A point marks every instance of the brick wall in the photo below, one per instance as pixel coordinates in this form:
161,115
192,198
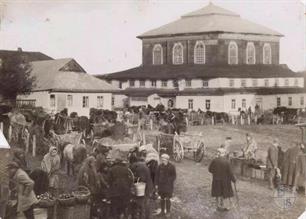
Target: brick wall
216,52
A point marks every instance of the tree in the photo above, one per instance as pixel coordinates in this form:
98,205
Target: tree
15,77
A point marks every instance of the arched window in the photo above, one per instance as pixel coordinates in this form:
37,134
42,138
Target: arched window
157,54
199,53
232,53
267,54
177,54
250,53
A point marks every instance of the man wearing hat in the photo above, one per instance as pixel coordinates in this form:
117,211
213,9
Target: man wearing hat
222,177
164,181
26,198
272,161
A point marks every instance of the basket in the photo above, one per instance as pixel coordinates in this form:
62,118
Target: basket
45,203
81,195
66,202
140,188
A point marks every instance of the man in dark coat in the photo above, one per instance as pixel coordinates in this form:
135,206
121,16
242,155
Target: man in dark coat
222,177
120,182
165,177
272,161
142,174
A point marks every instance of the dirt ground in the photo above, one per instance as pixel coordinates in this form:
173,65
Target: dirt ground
192,198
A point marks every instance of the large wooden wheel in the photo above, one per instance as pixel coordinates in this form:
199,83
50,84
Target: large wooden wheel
178,151
199,153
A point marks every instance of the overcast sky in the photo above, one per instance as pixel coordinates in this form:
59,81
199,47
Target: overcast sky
101,34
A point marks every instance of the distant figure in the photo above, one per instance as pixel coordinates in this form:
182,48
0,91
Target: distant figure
26,198
222,177
19,156
227,145
250,149
164,182
272,162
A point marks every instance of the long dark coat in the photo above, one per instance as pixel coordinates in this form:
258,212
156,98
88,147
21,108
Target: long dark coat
165,177
142,172
290,165
222,177
120,180
272,157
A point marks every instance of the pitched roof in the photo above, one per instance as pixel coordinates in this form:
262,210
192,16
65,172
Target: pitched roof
211,18
49,76
191,71
27,55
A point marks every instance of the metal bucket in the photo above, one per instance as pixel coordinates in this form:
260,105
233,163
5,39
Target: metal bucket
140,188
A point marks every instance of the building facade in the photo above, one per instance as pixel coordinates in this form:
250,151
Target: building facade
210,59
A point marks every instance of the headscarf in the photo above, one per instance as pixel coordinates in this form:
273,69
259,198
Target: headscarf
49,160
221,151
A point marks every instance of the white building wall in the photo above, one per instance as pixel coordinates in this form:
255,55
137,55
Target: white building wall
119,100
216,102
250,100
270,101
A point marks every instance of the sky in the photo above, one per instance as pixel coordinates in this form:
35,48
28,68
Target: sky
101,34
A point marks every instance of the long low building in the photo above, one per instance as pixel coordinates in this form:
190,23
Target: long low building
210,59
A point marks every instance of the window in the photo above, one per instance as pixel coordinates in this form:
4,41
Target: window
243,83
243,104
164,84
177,54
276,82
302,101
267,54
254,83
207,104
205,83
233,104
113,101
231,82
286,82
199,53
52,100
233,53
85,101
278,101
69,100
250,53
153,83
132,83
289,101
142,83
190,104
120,84
188,83
296,82
266,82
99,101
157,55
175,83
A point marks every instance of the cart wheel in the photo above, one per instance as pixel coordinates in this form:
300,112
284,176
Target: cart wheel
199,153
178,151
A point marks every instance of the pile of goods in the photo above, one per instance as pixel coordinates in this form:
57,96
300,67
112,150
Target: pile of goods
66,199
45,200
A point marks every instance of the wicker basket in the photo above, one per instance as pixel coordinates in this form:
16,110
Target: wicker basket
66,202
81,195
46,203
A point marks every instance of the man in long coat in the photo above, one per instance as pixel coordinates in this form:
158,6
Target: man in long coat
222,177
272,161
290,164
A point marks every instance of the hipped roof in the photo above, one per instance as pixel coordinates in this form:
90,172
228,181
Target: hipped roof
191,71
50,77
211,18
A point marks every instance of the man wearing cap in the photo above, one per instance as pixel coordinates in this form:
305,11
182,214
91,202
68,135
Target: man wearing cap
164,181
222,177
25,194
272,160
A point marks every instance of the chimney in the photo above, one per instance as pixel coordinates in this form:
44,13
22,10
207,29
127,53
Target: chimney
19,49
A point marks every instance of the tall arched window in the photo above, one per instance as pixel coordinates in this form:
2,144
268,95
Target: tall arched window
232,53
157,54
177,54
199,53
250,53
267,54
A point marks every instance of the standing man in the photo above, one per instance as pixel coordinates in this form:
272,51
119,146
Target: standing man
26,198
165,177
222,177
250,148
272,161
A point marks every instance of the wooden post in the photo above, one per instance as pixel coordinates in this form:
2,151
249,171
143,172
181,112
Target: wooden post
1,127
27,142
233,120
10,133
34,146
249,120
151,124
212,120
241,120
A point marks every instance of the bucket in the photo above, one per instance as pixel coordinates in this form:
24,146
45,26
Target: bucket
140,188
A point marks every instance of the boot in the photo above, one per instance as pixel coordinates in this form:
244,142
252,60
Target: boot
162,207
168,205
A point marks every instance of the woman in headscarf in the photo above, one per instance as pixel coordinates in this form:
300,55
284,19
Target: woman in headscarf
51,164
